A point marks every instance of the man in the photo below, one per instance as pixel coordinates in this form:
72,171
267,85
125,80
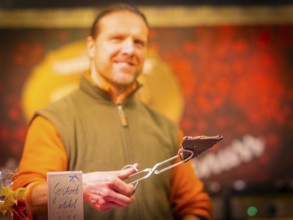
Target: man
102,126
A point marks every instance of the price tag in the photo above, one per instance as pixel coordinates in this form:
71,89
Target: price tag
65,196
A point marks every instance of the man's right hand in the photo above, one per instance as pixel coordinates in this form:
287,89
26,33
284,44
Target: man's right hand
107,190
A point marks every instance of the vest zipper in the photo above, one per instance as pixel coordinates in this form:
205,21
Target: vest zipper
127,149
122,115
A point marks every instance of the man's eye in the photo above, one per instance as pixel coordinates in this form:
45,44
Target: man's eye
117,39
139,42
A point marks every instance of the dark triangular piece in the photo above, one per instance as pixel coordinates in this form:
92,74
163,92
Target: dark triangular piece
198,144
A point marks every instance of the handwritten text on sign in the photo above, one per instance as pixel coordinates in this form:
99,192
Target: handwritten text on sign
65,198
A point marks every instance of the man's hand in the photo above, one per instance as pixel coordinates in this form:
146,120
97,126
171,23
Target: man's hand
106,190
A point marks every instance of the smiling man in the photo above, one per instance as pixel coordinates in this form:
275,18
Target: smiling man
117,52
102,127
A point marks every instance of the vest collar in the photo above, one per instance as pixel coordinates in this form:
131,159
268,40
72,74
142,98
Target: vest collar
96,92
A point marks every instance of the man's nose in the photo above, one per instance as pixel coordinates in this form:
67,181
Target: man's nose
128,46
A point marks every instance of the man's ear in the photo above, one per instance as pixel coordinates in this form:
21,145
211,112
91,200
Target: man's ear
91,49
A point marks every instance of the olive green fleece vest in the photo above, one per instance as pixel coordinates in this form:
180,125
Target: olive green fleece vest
96,139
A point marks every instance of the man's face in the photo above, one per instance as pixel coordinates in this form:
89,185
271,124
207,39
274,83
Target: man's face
119,50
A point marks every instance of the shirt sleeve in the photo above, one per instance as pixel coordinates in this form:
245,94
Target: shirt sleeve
187,195
43,152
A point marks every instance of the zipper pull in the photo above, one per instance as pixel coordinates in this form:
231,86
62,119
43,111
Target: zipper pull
122,115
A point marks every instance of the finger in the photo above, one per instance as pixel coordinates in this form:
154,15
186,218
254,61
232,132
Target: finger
134,166
102,205
121,187
108,199
127,171
106,206
119,199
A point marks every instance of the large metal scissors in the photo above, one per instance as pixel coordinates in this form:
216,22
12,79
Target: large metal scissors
190,147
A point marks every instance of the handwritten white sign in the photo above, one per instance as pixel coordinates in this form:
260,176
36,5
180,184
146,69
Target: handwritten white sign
65,197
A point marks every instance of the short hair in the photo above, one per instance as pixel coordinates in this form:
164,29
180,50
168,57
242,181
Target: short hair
111,9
